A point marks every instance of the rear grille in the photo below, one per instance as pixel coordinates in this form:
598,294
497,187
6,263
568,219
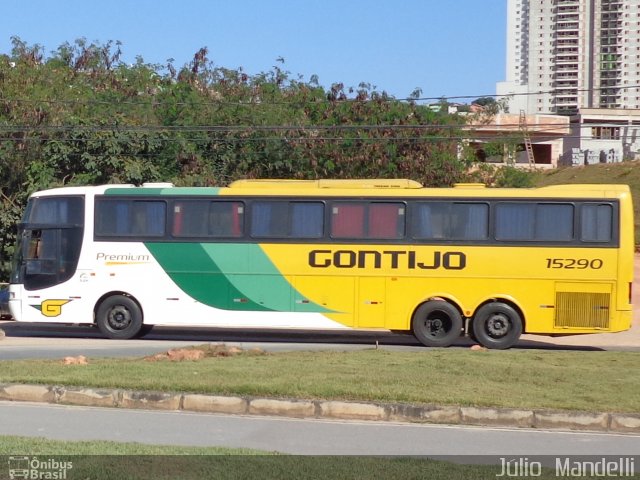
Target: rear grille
582,310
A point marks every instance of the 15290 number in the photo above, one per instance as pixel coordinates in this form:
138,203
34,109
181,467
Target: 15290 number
575,263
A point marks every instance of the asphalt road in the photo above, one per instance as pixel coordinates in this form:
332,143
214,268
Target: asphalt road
25,341
297,436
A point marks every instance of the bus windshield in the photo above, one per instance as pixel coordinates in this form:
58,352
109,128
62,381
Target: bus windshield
49,242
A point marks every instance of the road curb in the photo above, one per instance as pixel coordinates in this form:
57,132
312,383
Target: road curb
328,409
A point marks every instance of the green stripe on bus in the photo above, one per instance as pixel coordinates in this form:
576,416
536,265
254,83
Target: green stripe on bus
230,276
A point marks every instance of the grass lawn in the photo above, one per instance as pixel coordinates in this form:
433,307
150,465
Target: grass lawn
115,461
573,380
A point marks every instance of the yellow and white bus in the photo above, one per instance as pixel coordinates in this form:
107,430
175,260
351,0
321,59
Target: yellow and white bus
329,254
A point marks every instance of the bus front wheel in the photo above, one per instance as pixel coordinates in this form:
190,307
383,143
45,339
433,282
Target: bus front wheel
497,325
437,323
119,317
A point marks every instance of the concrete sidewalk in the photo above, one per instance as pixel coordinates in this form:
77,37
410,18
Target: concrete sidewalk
620,423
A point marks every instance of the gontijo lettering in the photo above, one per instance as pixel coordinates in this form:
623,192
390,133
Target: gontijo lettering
394,259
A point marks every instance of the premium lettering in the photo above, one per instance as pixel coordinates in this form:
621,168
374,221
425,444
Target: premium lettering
127,257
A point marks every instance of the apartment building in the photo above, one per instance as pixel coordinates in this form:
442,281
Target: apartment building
579,58
566,55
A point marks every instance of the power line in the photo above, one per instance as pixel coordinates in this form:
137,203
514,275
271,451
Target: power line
261,128
256,101
198,140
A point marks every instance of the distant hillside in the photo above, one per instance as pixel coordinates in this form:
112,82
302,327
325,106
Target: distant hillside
627,173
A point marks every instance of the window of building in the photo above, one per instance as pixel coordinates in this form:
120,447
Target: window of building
605,133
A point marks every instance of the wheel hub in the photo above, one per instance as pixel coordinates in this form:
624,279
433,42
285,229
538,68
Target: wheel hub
436,326
119,318
498,325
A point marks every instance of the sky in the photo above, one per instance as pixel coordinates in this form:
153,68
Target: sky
443,47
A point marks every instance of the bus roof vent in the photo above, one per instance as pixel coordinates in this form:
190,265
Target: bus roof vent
382,183
158,185
469,185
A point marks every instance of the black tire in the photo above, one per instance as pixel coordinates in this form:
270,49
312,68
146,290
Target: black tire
119,317
497,325
144,330
437,323
471,334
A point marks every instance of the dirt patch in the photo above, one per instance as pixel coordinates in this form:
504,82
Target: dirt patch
202,351
79,360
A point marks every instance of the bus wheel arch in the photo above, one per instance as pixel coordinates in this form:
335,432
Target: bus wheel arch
437,322
497,324
119,315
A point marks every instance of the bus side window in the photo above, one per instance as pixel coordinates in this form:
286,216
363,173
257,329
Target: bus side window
225,219
178,216
596,223
386,220
554,222
307,219
347,220
149,218
515,221
431,221
469,221
267,219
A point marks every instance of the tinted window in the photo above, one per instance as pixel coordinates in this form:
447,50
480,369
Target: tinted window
55,211
375,220
596,223
554,222
531,222
144,218
278,219
202,218
450,221
49,255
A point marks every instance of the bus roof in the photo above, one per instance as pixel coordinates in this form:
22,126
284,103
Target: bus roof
357,187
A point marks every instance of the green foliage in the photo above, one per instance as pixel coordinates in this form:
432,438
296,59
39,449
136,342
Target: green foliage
505,176
514,177
493,149
103,460
81,116
526,378
484,101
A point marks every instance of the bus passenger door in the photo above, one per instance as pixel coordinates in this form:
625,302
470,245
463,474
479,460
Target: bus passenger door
371,302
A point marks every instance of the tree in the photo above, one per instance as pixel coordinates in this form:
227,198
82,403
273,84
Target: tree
82,116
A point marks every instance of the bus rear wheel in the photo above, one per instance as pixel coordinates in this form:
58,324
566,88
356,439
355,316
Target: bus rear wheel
497,325
437,323
119,317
